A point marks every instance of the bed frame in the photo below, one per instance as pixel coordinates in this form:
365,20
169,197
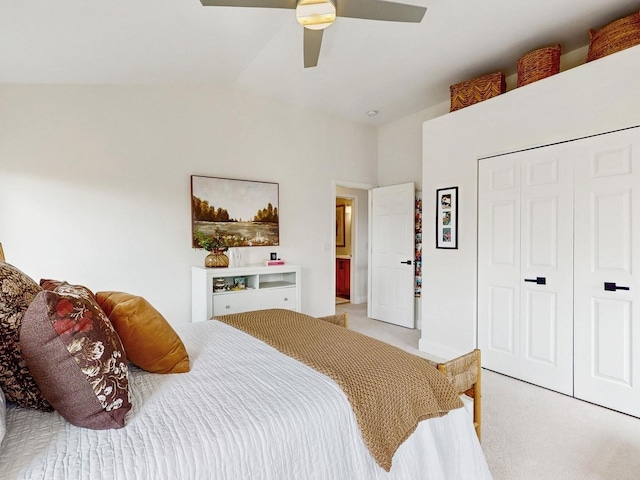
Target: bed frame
464,372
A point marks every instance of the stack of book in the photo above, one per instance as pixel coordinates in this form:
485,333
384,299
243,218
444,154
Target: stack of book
273,262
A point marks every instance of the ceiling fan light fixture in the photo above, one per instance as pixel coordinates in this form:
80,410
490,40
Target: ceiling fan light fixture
316,14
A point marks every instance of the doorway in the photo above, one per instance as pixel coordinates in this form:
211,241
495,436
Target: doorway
360,261
344,247
350,259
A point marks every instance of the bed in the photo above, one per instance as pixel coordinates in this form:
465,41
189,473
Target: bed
245,410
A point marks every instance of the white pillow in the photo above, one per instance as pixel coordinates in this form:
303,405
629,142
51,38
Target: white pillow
3,414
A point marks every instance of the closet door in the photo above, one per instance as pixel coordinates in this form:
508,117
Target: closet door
607,265
546,269
525,305
499,264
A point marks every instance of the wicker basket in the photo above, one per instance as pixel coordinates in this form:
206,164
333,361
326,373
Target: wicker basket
538,64
618,35
473,91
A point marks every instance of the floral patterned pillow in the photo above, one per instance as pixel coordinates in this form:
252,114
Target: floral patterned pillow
3,416
76,357
50,284
17,291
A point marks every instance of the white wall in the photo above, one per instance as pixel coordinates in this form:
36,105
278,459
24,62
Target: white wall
95,182
400,148
596,97
400,142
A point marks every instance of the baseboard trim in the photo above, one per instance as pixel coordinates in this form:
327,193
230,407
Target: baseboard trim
358,300
437,350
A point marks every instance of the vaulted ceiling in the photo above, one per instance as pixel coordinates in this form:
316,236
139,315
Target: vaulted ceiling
395,68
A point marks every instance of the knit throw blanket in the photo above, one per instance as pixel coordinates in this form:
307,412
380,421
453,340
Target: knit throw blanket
390,390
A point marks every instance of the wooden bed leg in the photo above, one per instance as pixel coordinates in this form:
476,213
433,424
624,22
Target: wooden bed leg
474,390
477,399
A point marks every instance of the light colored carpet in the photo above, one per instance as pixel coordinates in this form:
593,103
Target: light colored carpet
530,433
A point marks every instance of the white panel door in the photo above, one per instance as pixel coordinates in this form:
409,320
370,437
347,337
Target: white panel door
546,268
499,264
392,254
607,265
525,297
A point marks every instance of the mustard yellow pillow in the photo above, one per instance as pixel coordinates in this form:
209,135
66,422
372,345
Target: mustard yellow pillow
148,339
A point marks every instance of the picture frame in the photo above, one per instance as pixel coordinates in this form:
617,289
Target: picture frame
340,226
243,213
447,218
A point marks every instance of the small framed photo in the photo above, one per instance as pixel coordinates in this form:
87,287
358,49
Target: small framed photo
239,283
447,217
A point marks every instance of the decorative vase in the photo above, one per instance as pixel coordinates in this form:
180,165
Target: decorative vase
216,259
235,257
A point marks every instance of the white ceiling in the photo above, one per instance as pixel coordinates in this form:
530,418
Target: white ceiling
395,68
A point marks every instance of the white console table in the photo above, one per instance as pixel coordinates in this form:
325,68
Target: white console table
275,286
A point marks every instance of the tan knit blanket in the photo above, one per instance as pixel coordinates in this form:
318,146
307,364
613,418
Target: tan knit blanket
390,390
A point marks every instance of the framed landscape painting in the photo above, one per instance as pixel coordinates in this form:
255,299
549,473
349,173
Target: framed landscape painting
241,213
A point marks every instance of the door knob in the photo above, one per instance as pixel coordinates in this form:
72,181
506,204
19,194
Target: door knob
408,262
612,287
538,280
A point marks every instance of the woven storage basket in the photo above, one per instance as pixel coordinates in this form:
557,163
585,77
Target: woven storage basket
618,35
473,91
538,64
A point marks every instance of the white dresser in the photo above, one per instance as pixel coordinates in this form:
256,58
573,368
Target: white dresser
217,291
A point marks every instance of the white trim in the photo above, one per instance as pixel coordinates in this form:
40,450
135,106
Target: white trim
347,184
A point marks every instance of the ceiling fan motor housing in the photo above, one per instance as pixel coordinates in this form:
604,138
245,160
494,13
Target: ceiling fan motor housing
316,14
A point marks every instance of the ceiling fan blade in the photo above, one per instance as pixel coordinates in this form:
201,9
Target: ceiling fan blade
379,10
312,42
250,3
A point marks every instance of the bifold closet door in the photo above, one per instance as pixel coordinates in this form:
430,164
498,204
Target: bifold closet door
607,265
525,266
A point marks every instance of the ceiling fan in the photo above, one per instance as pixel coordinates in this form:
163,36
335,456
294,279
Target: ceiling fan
316,15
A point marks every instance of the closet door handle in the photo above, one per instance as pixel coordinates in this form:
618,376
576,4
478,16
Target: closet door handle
612,287
408,262
538,280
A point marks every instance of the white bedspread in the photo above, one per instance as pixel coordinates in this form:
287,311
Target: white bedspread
245,411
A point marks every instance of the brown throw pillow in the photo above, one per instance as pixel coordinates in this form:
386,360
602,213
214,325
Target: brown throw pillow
76,358
149,340
17,291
